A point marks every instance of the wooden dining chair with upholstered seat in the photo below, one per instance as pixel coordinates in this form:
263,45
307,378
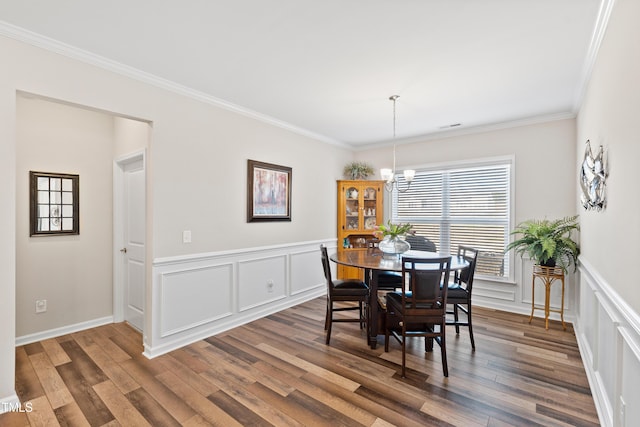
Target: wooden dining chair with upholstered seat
349,290
421,243
420,310
459,295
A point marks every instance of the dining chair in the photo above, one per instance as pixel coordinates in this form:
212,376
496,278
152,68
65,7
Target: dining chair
349,290
421,243
420,310
459,293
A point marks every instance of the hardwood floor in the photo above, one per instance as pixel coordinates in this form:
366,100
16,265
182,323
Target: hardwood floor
278,371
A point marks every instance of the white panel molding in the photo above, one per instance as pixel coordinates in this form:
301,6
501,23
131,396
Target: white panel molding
494,292
64,330
258,264
243,254
607,329
629,382
260,271
305,271
168,297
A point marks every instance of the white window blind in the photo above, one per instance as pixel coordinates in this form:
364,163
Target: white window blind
461,206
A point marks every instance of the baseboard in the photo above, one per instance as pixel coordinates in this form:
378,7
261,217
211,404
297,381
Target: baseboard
64,330
10,403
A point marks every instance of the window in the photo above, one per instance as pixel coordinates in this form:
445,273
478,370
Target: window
55,207
467,205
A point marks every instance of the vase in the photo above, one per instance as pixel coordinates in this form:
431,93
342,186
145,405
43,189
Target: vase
394,245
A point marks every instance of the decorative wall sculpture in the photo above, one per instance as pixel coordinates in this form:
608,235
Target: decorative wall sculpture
593,175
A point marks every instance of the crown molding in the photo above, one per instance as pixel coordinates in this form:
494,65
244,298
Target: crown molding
55,46
443,134
599,30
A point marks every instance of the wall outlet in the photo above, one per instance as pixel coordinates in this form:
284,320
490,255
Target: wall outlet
623,412
186,236
41,306
270,286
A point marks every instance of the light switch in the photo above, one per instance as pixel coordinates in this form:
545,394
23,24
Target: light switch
186,236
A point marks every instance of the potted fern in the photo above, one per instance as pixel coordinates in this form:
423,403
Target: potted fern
548,243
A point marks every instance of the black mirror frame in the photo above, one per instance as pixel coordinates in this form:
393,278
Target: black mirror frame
33,204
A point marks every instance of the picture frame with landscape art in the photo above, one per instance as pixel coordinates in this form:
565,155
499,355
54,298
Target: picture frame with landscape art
268,192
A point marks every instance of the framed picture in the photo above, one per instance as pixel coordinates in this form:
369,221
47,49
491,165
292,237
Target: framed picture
268,192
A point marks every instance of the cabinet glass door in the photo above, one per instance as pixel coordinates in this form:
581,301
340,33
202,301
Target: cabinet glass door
370,197
352,209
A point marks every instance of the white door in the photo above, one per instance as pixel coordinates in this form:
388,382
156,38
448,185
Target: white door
133,253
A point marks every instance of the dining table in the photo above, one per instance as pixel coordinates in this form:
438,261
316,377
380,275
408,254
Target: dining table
373,261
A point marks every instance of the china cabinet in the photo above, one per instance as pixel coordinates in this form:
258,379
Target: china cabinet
360,210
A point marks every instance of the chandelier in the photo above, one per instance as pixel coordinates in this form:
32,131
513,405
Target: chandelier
389,175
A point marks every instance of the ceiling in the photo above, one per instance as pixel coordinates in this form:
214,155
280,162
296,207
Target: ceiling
326,68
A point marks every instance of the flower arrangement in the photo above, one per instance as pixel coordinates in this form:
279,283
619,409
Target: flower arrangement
393,230
357,170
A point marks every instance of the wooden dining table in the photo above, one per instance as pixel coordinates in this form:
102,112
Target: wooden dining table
373,262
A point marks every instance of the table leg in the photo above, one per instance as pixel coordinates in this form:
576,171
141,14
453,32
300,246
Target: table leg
371,278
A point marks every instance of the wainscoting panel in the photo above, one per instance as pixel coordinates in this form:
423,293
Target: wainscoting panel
306,270
212,286
630,378
200,295
608,334
261,281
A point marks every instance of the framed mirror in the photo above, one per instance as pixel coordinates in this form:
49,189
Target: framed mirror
54,203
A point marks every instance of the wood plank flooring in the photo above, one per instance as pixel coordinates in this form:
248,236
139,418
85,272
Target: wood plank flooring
278,371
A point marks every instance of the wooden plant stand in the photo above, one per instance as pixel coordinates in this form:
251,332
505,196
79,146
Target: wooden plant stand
547,275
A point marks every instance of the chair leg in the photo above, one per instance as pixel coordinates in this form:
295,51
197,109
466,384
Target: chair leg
443,351
473,343
326,317
455,317
329,321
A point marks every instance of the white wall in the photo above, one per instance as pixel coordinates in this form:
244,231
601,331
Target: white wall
608,325
73,273
197,161
129,136
609,117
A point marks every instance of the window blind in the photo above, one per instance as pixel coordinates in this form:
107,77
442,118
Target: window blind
461,206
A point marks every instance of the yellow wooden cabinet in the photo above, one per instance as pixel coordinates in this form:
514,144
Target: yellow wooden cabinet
360,211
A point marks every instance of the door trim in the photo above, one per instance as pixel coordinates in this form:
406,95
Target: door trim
119,165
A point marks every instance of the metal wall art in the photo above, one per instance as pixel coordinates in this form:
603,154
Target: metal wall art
593,175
